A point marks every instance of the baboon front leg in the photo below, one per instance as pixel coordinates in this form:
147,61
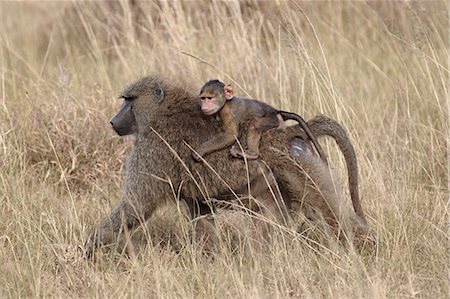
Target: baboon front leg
270,202
123,217
205,229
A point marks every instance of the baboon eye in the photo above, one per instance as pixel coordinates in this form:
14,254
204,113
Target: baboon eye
159,93
129,98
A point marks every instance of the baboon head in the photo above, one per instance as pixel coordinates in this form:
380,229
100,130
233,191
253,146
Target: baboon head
140,101
213,96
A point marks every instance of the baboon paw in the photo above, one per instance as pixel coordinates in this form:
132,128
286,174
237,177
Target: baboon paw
89,251
90,246
196,157
238,153
248,155
235,151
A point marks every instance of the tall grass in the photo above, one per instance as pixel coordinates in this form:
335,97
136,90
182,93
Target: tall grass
380,68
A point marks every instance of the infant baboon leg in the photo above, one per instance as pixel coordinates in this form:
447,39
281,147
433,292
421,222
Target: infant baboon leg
255,130
253,140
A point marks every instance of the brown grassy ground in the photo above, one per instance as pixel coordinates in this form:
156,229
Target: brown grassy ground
380,68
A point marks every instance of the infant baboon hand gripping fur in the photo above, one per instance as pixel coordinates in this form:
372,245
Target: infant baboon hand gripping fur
218,99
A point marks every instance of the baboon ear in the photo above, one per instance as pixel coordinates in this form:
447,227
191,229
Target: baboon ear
228,90
159,92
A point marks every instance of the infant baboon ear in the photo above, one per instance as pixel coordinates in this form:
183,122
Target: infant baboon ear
228,91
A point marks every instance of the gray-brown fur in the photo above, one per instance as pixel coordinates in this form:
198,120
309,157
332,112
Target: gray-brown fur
169,125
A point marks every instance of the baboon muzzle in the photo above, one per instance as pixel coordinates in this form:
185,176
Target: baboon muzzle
124,122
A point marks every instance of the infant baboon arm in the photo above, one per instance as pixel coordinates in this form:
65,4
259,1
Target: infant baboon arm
223,140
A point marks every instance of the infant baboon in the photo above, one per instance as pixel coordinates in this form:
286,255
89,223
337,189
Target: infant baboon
218,99
166,122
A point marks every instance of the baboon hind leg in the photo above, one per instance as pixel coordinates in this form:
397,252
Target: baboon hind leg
317,196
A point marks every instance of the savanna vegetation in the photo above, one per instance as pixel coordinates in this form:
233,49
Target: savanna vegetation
379,68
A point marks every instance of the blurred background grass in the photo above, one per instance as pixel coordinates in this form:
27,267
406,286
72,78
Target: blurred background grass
380,68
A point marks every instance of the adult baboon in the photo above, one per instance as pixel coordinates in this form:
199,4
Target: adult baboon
167,125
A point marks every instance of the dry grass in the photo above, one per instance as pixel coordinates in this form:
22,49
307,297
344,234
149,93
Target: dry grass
380,68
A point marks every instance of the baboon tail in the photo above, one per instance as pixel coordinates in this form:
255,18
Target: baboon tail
324,126
294,116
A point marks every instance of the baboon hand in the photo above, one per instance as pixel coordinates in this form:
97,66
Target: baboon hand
235,151
90,246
